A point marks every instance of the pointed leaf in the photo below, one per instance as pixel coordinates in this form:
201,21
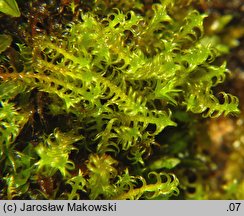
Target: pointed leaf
5,41
9,7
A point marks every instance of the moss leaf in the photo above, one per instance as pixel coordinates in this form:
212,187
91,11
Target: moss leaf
5,41
9,7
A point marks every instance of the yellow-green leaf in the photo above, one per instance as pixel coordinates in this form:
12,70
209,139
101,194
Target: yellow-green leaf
5,41
9,7
167,163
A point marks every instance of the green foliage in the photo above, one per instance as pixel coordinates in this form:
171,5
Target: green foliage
157,190
54,153
165,162
18,182
77,183
11,123
115,81
104,182
9,7
102,170
5,41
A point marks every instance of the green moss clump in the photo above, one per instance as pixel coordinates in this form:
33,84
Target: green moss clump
111,84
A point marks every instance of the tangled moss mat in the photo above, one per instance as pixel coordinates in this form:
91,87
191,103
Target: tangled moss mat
109,99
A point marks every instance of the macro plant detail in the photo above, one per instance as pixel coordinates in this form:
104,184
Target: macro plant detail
113,83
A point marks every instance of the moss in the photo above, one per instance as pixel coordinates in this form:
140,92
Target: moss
99,97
